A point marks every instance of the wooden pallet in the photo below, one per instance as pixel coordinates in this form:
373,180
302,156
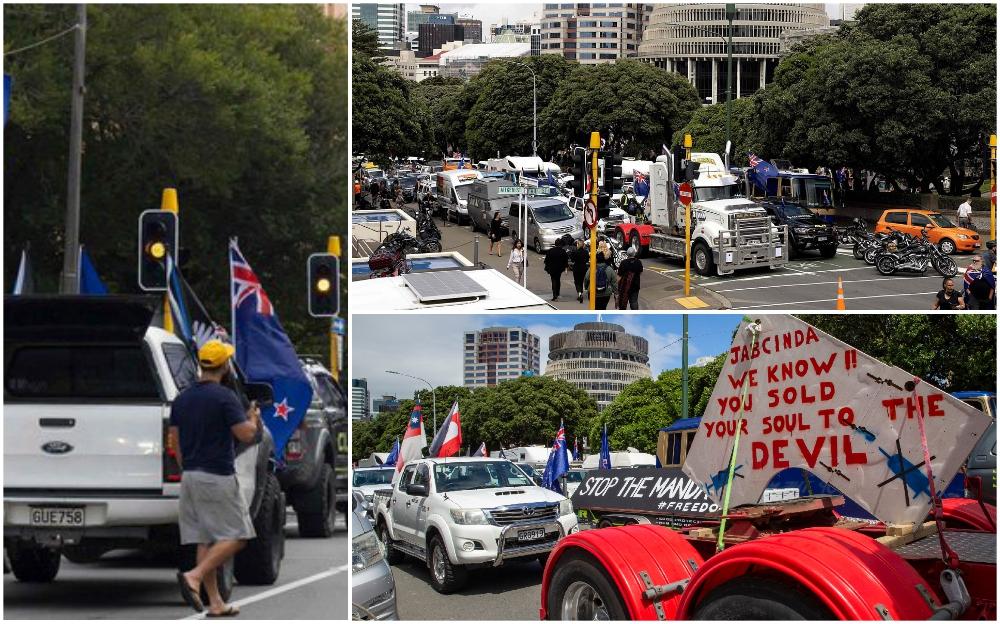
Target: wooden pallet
897,535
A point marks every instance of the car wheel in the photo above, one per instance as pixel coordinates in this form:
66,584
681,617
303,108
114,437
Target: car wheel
748,598
446,577
392,556
33,564
704,264
620,239
538,245
947,246
828,252
581,590
259,563
321,519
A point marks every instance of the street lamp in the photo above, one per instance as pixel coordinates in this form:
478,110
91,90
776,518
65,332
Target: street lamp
433,395
534,109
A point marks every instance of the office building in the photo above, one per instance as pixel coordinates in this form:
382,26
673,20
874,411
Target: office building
433,36
413,67
386,19
496,354
599,358
388,403
468,60
360,400
691,39
593,33
473,29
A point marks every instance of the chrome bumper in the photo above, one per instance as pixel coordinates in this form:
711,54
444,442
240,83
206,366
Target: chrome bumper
538,548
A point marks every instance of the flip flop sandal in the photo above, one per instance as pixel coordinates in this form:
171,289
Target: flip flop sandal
230,611
190,596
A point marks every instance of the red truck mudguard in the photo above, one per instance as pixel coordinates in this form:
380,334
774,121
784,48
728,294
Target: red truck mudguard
630,229
625,553
965,513
853,576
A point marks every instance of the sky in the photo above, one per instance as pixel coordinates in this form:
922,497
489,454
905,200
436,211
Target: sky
430,345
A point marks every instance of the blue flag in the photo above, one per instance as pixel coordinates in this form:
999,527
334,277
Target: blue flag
558,464
605,463
90,281
393,454
8,83
550,180
265,354
760,173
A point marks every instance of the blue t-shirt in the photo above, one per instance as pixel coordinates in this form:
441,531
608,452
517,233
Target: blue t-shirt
203,415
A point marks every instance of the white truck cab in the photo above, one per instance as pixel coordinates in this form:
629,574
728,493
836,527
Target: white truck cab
457,513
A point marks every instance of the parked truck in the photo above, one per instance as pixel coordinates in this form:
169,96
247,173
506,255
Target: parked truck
455,514
804,400
728,231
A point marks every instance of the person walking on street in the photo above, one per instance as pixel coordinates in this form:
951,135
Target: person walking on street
496,237
581,260
517,260
606,283
947,297
556,262
628,281
965,213
206,421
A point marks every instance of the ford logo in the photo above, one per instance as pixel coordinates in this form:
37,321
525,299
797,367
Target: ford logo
57,447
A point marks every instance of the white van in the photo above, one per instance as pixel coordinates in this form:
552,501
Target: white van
453,189
548,221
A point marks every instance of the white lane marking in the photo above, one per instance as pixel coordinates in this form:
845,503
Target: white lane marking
279,590
877,279
777,276
792,303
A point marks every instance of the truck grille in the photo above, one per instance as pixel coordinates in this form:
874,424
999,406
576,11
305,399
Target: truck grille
511,515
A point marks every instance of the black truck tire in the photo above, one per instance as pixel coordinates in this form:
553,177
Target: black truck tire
446,577
392,556
582,586
755,598
33,564
259,563
704,263
828,251
322,498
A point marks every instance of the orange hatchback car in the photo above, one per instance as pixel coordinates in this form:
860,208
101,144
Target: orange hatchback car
948,237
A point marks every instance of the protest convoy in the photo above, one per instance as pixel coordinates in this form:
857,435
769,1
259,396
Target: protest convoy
738,532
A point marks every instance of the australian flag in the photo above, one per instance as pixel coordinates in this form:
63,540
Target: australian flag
558,464
762,173
265,354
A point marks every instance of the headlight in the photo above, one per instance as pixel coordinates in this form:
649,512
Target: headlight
365,551
468,516
963,236
565,507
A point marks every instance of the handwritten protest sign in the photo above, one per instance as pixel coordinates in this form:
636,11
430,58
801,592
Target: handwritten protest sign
656,491
813,402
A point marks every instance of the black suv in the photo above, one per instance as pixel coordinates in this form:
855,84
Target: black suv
314,477
806,229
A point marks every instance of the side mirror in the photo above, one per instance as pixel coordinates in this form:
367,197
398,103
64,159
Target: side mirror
263,393
417,489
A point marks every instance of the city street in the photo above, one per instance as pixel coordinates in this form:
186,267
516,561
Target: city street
510,592
806,282
128,585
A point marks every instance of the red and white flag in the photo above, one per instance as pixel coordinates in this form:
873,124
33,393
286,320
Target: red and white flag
481,451
448,440
414,440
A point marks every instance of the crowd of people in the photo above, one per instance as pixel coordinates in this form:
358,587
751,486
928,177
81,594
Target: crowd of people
979,285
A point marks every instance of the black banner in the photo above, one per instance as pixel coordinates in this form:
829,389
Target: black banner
646,491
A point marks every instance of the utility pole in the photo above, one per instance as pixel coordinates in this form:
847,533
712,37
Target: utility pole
595,145
684,367
71,251
333,247
730,14
993,188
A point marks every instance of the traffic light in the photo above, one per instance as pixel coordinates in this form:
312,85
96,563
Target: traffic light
603,205
579,172
157,237
678,153
691,170
612,173
324,284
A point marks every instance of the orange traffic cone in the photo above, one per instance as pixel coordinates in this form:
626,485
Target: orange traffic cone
840,294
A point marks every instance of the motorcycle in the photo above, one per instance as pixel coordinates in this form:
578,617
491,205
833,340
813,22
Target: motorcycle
853,233
917,256
389,258
428,234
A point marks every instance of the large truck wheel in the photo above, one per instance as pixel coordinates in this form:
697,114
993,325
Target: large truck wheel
259,563
446,577
581,590
224,576
31,563
704,264
392,556
752,598
317,510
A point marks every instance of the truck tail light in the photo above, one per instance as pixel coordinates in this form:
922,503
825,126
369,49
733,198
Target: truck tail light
171,456
293,450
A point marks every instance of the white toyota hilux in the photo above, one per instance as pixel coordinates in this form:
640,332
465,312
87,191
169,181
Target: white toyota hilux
88,466
458,513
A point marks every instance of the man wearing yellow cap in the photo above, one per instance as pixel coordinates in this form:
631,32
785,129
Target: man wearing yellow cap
208,419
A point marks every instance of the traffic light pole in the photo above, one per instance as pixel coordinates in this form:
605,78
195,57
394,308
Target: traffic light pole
71,251
687,227
333,247
595,145
993,188
169,202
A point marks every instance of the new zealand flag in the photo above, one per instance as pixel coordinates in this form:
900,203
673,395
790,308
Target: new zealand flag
265,354
763,175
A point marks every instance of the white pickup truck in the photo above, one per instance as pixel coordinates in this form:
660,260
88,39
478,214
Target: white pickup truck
458,513
87,464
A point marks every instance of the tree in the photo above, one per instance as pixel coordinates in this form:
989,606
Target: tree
634,105
364,39
384,118
708,130
441,114
953,351
243,109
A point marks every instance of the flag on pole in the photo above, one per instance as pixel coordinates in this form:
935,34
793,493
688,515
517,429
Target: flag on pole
24,283
414,439
503,454
605,463
90,281
448,439
265,354
481,451
557,464
393,454
576,448
178,305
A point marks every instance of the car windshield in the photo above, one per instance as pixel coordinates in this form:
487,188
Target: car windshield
463,191
794,211
941,220
575,476
709,193
550,213
408,182
528,468
372,477
478,476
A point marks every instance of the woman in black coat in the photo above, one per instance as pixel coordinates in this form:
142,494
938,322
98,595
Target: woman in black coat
496,237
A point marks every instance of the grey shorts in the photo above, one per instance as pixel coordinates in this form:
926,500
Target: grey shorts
213,509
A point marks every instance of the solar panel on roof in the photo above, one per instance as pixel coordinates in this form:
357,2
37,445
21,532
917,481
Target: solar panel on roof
444,285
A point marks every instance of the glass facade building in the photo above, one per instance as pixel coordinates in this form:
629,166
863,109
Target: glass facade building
496,354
